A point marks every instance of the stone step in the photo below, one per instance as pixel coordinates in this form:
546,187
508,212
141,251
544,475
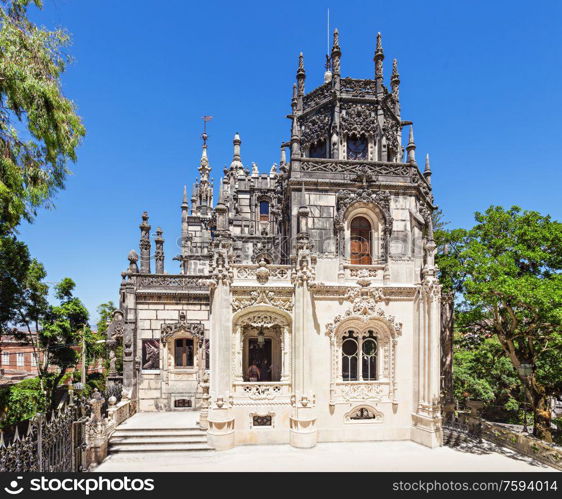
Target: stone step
157,432
163,447
166,439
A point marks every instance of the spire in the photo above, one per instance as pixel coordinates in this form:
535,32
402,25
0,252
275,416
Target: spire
395,78
427,169
336,54
411,147
379,57
295,139
159,251
236,165
204,168
294,99
283,159
184,195
145,244
301,75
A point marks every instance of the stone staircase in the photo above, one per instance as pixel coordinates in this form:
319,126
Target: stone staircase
161,439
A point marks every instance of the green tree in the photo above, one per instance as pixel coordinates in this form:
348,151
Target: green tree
512,289
39,127
449,245
60,335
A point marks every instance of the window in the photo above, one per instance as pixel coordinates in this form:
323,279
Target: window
357,148
359,350
207,355
318,150
360,241
349,350
33,360
5,358
184,352
264,211
260,359
369,357
20,359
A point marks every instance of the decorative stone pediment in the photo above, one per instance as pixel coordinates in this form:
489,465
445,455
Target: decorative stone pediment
196,329
263,319
364,307
263,296
347,198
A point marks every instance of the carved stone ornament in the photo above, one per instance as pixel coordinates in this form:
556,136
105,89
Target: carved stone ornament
315,126
263,319
348,198
263,296
196,329
359,119
364,414
364,307
117,325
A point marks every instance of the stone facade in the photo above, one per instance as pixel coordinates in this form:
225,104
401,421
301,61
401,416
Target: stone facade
308,295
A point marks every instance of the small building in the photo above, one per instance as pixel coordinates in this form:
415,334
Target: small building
306,295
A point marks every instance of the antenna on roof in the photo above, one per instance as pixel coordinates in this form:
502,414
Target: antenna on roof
328,32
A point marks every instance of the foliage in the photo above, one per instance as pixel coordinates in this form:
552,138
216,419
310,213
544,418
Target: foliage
483,373
512,290
61,331
106,311
21,401
39,127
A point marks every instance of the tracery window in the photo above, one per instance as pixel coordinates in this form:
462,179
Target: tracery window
183,352
357,147
359,356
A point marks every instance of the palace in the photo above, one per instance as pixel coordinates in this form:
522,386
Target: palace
306,308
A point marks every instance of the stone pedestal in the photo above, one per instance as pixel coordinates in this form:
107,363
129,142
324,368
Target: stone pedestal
303,433
220,432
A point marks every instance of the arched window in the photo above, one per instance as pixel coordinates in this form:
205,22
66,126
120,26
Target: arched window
359,353
369,357
264,211
349,352
361,243
183,352
357,147
318,150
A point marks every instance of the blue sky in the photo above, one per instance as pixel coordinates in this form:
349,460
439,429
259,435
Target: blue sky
480,80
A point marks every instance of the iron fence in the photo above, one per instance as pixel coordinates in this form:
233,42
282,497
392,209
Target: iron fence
52,442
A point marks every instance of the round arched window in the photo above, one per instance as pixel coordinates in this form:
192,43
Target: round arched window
361,243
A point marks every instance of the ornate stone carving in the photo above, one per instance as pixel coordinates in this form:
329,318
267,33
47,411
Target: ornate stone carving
196,329
364,414
315,126
358,88
359,119
351,167
263,296
263,319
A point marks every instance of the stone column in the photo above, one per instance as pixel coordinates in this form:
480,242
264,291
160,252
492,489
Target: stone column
303,432
427,420
221,420
286,353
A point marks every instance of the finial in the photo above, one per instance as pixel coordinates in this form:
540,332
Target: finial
411,147
273,171
236,164
395,74
283,156
185,195
427,169
379,57
301,63
336,39
255,171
